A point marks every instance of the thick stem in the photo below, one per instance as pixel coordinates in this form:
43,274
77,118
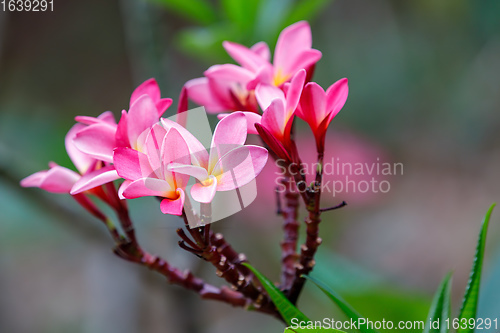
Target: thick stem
187,280
228,265
308,249
289,256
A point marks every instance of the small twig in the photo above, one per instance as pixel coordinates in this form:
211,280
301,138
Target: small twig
183,246
185,238
340,205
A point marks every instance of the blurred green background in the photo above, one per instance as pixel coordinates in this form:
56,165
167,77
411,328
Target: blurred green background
424,82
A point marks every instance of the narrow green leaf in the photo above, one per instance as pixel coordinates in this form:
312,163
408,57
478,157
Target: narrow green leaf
440,308
306,10
287,310
469,303
200,11
312,330
342,304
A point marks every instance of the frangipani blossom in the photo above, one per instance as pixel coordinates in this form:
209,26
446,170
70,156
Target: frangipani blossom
223,88
146,173
229,165
318,107
230,87
61,180
102,136
293,52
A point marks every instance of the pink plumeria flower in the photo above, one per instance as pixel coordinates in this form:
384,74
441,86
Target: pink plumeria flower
223,88
101,137
146,173
230,87
61,180
229,164
318,107
293,52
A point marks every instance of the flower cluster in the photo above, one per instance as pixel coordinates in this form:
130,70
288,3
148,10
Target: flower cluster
277,88
154,156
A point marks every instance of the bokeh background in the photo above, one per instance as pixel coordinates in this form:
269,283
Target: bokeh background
424,82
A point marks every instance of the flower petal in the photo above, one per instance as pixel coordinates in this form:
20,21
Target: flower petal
95,178
122,188
81,160
274,118
173,206
199,90
34,180
106,117
265,94
312,105
197,172
292,42
229,133
56,180
97,140
336,96
162,105
294,90
149,87
229,72
204,193
182,105
149,187
153,148
273,143
141,116
262,49
131,164
239,166
264,76
121,135
304,61
175,150
199,154
252,119
244,56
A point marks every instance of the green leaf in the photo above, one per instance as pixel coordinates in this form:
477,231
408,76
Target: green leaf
343,305
200,11
287,310
242,13
313,330
469,303
306,10
440,308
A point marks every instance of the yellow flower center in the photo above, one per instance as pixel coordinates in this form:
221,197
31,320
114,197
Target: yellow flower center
279,78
